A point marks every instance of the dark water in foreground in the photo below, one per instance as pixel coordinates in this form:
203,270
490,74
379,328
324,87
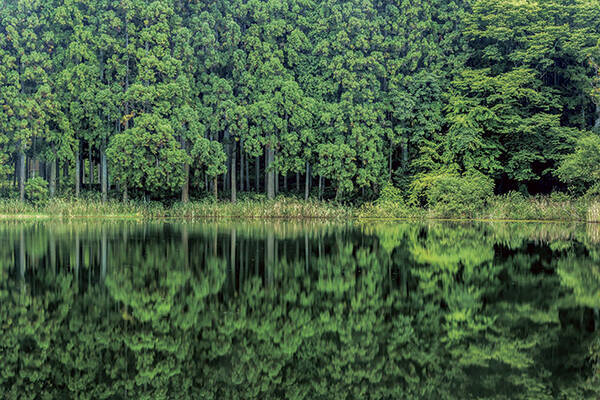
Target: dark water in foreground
276,310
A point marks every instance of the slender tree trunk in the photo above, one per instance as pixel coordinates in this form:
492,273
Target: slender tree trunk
52,178
298,182
91,166
257,175
270,173
276,182
16,173
307,183
216,188
125,193
21,174
227,176
57,174
78,171
597,123
247,172
233,171
320,186
104,174
185,190
242,166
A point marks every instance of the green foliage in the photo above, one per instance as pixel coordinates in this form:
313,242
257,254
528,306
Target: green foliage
452,195
581,166
36,190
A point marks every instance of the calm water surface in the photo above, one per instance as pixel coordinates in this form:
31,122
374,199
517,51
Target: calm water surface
283,310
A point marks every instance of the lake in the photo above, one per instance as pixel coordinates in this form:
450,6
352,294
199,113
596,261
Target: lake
298,310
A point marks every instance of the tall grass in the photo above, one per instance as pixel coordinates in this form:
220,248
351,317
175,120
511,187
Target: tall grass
281,207
506,207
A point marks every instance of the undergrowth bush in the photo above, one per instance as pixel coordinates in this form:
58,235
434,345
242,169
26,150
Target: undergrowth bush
36,190
450,195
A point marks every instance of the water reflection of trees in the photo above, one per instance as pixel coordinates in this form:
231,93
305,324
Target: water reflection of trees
248,310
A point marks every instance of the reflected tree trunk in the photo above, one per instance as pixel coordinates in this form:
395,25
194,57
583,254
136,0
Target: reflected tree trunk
270,257
232,257
103,255
306,251
22,260
185,246
77,256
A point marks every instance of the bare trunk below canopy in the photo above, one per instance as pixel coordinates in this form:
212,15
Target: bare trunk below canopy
270,173
233,172
78,171
22,174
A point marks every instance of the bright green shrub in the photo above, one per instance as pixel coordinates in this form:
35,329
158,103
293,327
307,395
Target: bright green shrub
390,194
454,195
36,190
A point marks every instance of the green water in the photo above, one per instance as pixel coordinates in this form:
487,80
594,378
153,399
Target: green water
282,310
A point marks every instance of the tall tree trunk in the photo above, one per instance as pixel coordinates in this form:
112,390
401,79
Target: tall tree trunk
247,172
78,171
307,182
57,174
216,188
270,173
52,178
298,182
597,123
233,171
21,173
185,189
242,166
257,174
320,187
15,177
227,176
104,174
91,166
125,193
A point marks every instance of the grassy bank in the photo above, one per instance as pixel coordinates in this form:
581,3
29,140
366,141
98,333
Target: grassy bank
546,208
245,208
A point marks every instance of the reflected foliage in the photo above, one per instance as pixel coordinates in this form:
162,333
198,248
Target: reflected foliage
215,310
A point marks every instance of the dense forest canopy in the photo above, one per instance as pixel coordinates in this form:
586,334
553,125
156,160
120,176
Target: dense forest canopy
331,98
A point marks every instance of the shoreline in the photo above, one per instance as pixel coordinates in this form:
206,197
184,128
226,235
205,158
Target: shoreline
499,209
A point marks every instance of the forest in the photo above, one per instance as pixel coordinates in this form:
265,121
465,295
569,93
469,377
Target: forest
330,99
